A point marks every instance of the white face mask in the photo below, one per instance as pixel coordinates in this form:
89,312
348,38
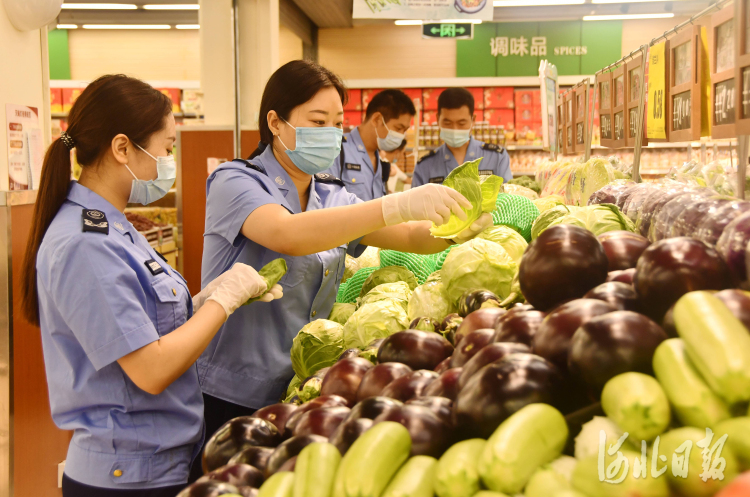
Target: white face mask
145,192
391,141
455,137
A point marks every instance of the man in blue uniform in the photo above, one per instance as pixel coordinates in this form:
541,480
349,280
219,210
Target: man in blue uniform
456,118
359,166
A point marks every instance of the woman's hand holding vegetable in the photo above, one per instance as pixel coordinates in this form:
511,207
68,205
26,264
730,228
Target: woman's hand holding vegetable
240,284
484,222
425,203
201,297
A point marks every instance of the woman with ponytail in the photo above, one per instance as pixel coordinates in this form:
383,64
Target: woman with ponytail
120,332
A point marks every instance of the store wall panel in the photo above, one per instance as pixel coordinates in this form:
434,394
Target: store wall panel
155,55
385,51
290,46
38,445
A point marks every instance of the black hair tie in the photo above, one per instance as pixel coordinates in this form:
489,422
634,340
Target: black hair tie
67,140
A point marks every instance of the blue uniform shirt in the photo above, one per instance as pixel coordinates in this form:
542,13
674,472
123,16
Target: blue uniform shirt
103,293
248,361
435,166
356,171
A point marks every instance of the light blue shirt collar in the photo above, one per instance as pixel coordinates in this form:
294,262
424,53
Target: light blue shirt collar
87,199
284,182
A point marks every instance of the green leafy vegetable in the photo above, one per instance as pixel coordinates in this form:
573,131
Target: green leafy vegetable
480,191
549,202
508,238
272,273
430,300
527,182
478,265
318,345
598,219
376,320
341,312
390,274
398,292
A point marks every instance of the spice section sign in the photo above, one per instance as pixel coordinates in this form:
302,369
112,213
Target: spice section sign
516,49
423,9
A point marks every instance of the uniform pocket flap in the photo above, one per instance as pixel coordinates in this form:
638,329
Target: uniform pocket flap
166,290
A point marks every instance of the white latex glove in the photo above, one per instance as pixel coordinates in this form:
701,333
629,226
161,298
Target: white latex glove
240,285
484,222
200,298
425,203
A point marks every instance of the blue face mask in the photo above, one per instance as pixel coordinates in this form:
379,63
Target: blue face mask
391,141
316,148
455,137
145,192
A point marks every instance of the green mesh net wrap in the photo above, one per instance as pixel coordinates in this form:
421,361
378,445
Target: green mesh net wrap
349,291
440,257
421,265
515,211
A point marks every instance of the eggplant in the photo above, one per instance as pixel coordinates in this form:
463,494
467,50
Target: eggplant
479,319
430,436
417,349
322,401
668,325
277,414
349,354
288,465
489,354
469,346
323,421
208,488
502,388
449,327
256,457
311,386
372,408
620,295
670,268
625,276
443,366
552,341
377,378
611,344
425,324
562,264
348,432
738,302
410,385
623,248
239,475
236,435
289,449
475,300
441,406
371,351
520,327
248,491
714,224
446,385
344,377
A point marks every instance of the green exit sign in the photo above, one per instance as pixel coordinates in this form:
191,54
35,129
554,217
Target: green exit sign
459,31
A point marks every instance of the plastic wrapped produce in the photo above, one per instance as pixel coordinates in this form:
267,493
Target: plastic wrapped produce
653,205
691,217
635,198
733,244
610,193
714,223
622,198
661,225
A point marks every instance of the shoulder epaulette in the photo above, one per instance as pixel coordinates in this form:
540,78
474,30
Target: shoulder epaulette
94,220
343,139
492,147
328,178
431,154
249,164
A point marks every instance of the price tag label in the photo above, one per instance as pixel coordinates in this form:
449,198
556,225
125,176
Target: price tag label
633,120
724,103
606,124
619,126
682,111
656,126
579,134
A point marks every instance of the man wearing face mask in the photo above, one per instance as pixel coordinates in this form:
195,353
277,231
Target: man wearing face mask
387,120
456,118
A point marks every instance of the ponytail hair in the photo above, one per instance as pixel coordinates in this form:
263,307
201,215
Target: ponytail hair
109,106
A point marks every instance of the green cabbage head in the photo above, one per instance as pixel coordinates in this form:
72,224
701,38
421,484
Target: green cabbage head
597,219
508,238
398,292
371,321
318,345
549,202
478,265
390,274
430,300
480,191
341,312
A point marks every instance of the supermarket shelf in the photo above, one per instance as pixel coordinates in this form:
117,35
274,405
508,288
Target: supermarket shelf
64,115
59,115
511,148
463,82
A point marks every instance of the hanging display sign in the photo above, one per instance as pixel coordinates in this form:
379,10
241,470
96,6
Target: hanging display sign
633,84
423,9
568,114
742,66
25,147
618,107
517,49
689,80
581,122
549,92
723,86
656,118
604,98
458,31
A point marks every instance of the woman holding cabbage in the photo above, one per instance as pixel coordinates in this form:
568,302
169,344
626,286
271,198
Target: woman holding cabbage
279,204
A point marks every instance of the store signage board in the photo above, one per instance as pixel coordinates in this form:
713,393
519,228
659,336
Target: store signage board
569,113
633,82
581,121
656,118
25,147
442,30
517,49
550,89
421,9
618,107
604,99
742,66
688,103
723,87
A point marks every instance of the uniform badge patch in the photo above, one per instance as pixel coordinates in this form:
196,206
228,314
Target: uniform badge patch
94,220
353,167
154,267
438,179
486,172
